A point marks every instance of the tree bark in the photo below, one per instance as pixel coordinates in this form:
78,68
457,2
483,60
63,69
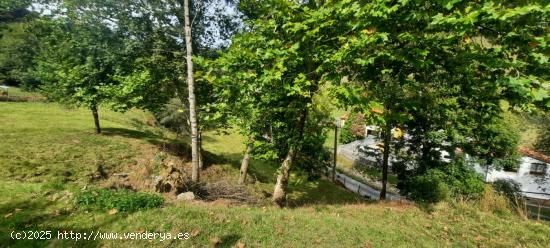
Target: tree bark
96,118
201,161
385,160
195,174
244,164
281,186
279,194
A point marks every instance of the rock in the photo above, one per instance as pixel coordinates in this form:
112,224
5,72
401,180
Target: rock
159,184
187,196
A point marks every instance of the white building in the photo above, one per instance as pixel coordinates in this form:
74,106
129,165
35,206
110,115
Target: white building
532,174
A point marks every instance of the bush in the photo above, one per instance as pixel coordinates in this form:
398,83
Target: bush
455,179
353,129
509,163
493,201
429,187
123,200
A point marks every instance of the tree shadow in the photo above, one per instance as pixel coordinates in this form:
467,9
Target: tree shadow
228,240
32,215
133,134
302,192
172,146
258,170
321,192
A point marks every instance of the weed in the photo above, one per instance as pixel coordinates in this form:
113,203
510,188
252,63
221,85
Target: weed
123,200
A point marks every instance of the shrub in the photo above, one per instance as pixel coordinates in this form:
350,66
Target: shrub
353,129
429,187
492,201
455,179
123,200
509,163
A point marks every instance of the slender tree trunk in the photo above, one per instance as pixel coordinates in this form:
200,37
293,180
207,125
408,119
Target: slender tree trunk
201,161
385,160
245,163
96,118
281,186
195,176
279,194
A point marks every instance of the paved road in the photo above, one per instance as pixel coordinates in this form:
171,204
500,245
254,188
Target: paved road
363,189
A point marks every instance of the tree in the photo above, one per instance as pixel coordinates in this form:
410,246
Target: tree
436,71
18,45
272,67
191,91
77,61
151,68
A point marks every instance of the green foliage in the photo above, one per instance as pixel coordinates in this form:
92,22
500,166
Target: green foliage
456,179
122,200
543,139
173,116
497,144
77,62
429,187
18,48
267,81
509,163
353,129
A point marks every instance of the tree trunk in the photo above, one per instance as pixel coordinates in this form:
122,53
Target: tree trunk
279,194
385,160
244,164
195,176
280,191
201,160
96,118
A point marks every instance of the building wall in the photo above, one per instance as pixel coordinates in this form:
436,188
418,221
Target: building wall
529,182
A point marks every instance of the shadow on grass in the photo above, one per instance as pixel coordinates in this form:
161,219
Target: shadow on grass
301,191
172,146
229,240
134,134
33,215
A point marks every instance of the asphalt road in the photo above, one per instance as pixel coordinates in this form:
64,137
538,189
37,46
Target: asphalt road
363,189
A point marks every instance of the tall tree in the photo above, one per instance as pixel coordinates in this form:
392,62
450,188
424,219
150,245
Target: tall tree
191,90
77,61
437,70
271,70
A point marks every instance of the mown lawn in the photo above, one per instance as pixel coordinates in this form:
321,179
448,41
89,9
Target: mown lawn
47,153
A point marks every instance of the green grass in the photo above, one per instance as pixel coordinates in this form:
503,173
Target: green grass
14,91
47,153
528,127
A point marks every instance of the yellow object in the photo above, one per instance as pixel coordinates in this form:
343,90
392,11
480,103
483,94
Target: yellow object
398,133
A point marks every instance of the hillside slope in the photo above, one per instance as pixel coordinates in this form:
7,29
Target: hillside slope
49,153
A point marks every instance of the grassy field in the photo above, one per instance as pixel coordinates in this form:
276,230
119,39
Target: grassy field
48,152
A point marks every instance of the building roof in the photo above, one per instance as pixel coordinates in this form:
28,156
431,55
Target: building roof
534,154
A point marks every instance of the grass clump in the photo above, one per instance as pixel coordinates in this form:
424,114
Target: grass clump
123,200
